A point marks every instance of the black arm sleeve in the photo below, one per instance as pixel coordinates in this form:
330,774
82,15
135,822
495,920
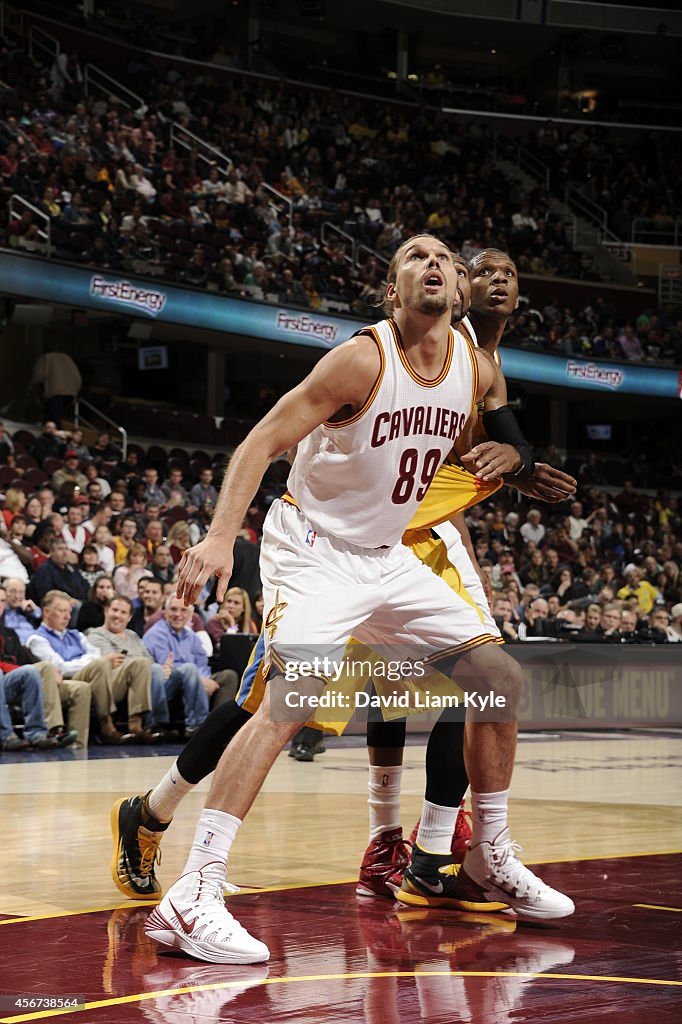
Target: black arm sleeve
501,425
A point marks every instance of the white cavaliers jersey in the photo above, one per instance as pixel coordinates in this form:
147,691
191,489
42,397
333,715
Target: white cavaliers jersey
361,479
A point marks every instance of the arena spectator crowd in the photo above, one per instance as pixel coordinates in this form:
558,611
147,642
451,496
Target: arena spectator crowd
89,547
120,196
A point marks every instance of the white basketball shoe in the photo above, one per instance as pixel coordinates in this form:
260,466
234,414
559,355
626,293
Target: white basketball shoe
492,872
192,917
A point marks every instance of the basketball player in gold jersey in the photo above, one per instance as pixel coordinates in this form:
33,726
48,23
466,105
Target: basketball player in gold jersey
439,536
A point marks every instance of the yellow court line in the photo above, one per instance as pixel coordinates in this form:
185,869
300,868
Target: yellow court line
609,856
652,906
253,891
76,913
245,891
350,976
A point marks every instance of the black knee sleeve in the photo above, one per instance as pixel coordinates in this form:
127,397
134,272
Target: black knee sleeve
386,734
201,755
446,777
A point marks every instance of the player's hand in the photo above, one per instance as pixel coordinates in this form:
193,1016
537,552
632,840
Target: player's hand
211,557
547,484
492,459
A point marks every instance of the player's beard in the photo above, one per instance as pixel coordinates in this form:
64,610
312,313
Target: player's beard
432,305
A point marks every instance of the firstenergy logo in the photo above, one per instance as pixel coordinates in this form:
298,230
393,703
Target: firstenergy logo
145,300
603,375
306,326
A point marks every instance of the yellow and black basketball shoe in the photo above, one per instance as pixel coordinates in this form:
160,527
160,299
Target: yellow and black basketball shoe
137,840
430,880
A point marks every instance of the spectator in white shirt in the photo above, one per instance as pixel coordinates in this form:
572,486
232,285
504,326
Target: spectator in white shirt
74,533
523,221
236,190
576,524
674,630
213,186
10,563
105,552
533,529
661,620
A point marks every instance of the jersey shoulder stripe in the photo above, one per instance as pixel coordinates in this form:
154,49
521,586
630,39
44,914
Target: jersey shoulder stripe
368,332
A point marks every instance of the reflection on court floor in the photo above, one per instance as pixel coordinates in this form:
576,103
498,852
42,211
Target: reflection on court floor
337,958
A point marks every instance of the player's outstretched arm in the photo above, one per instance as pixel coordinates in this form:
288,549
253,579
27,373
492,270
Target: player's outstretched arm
547,484
341,380
534,479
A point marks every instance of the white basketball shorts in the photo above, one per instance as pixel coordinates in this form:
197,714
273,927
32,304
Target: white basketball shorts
320,591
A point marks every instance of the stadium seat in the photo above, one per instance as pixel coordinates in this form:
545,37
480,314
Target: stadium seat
52,464
36,477
25,437
201,456
22,485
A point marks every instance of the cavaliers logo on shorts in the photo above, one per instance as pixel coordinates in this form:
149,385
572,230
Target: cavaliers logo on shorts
273,617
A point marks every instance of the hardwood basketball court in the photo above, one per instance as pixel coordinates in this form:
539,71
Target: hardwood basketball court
601,812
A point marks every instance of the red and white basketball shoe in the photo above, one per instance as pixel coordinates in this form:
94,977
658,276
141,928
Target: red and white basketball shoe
385,860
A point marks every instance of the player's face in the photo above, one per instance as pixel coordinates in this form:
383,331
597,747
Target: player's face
494,286
426,278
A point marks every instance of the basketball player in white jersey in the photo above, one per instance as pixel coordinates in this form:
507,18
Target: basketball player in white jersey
373,421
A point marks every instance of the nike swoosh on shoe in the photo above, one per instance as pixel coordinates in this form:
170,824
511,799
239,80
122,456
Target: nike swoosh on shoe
187,928
435,889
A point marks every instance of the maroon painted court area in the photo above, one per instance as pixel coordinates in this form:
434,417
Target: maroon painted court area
339,959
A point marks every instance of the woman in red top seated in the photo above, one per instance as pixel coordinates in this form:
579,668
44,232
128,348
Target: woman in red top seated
233,616
178,540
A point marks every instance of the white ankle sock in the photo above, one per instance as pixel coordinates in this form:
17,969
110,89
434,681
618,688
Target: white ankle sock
164,800
213,838
384,799
436,827
488,815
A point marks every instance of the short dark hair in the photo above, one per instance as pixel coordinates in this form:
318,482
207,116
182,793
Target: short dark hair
119,597
484,254
56,541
